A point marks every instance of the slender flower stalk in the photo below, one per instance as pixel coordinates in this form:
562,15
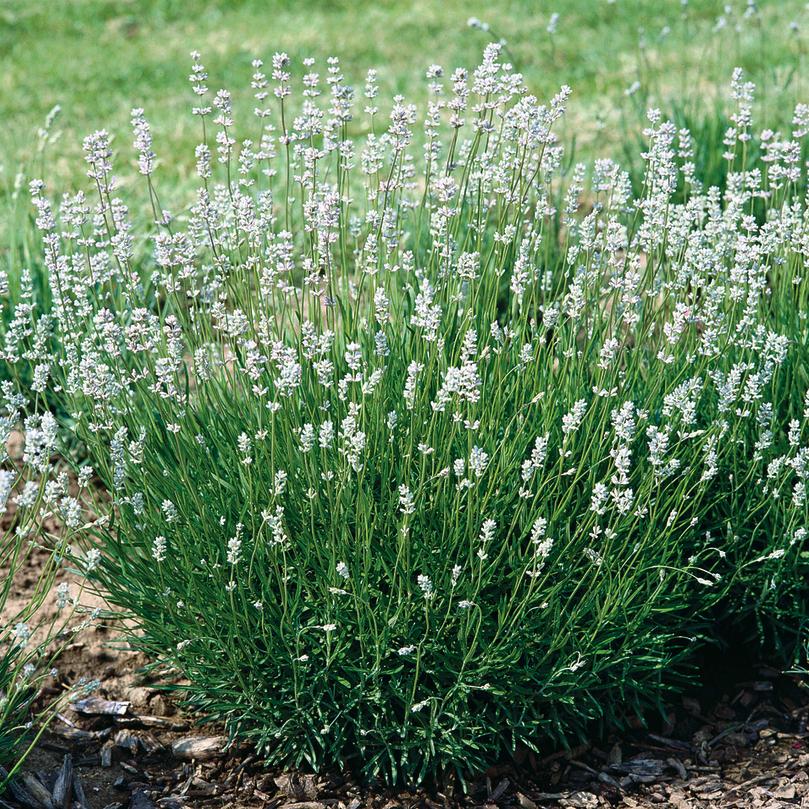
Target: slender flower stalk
419,449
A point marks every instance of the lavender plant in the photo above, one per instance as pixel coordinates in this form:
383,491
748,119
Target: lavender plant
32,492
422,450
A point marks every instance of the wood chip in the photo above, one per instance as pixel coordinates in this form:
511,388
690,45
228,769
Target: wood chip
678,765
642,767
140,800
580,800
199,748
304,805
105,754
63,788
76,736
202,789
68,722
95,706
126,740
525,801
37,789
145,721
297,786
149,743
499,790
674,744
78,792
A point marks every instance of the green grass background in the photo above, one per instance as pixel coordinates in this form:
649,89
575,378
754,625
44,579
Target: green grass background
99,58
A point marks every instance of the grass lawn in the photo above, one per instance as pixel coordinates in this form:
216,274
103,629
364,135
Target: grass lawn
99,58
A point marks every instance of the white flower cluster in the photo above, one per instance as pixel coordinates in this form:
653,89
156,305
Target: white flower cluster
396,388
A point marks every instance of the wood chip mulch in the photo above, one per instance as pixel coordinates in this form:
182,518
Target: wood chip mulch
126,747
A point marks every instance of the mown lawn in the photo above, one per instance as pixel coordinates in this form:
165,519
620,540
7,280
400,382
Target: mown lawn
99,58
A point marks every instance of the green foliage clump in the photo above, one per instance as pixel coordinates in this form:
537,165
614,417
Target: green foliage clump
418,455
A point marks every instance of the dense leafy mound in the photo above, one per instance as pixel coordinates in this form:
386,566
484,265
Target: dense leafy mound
420,449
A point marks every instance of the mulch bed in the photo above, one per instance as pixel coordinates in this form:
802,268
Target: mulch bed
127,747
